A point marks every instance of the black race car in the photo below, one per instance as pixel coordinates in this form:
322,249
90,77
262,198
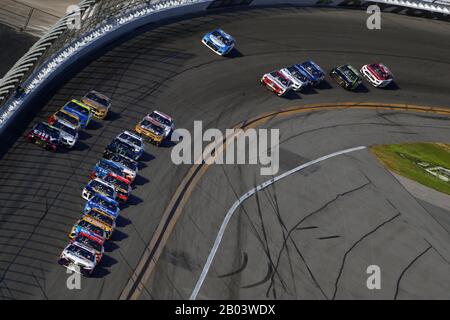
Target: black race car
347,76
45,136
119,147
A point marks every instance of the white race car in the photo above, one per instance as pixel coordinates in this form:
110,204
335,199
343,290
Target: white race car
133,140
377,74
69,132
296,76
164,120
78,258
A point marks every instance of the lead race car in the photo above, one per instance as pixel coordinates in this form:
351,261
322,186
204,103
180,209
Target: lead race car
377,74
99,104
277,83
219,41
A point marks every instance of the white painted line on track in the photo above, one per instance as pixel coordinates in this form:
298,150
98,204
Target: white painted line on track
247,195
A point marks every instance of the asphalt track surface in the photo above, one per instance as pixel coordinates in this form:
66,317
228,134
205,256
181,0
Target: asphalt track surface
357,214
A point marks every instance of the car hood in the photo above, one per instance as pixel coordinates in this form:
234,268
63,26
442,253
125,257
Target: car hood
78,259
94,104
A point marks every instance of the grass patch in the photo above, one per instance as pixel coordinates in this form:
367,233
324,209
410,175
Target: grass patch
410,160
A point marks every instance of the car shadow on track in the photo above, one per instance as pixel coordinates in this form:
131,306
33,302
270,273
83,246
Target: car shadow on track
122,222
132,201
94,125
362,89
110,246
324,85
235,53
392,86
118,236
146,157
140,180
113,116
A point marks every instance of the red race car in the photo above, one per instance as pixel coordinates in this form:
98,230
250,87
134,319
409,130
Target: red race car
122,185
277,83
377,74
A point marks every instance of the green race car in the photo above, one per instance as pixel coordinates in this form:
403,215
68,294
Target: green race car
347,76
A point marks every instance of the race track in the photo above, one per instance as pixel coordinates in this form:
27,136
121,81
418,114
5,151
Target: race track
370,218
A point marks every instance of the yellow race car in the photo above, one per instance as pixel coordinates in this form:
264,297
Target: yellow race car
99,104
150,130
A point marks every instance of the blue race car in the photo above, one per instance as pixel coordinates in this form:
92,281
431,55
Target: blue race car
314,73
219,41
104,204
79,110
104,166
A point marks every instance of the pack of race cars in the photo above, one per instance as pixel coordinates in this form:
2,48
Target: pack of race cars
109,187
299,76
111,177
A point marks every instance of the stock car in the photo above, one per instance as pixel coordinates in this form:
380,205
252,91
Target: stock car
104,204
297,76
164,120
100,224
118,146
346,76
150,130
67,117
133,140
79,258
314,73
86,227
45,136
219,41
104,166
122,185
99,104
128,166
105,221
377,74
90,240
100,186
69,133
80,110
277,83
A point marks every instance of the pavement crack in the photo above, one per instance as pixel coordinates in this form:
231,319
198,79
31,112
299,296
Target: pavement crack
344,258
406,269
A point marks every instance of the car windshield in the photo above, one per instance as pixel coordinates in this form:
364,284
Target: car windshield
89,226
102,217
104,203
160,119
281,79
44,128
80,238
294,71
151,126
109,166
76,107
122,148
349,73
117,182
221,37
130,164
66,129
381,70
102,188
133,140
311,69
79,251
97,98
66,117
